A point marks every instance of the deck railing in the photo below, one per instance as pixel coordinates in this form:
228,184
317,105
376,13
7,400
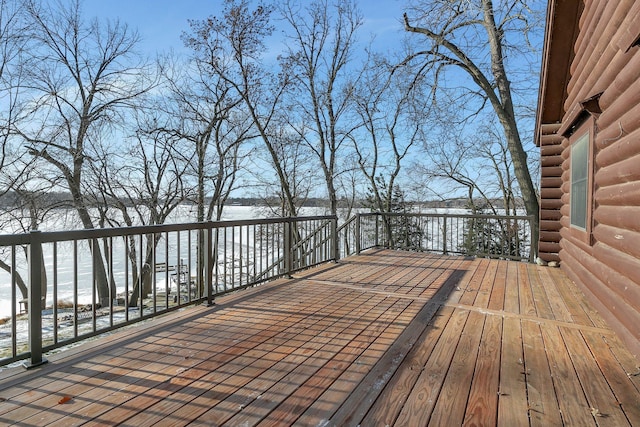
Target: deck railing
87,282
494,236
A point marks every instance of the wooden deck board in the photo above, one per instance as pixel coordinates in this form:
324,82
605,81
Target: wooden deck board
513,406
396,391
354,374
624,391
512,292
486,286
421,401
571,399
630,364
559,306
603,404
543,401
483,396
527,302
498,290
540,297
383,338
362,349
571,292
452,400
355,344
473,286
574,305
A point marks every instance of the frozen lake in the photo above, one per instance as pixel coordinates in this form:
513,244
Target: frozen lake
65,270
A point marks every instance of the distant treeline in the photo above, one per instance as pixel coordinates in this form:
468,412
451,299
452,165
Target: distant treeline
63,200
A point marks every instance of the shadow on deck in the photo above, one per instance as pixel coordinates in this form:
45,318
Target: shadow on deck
384,338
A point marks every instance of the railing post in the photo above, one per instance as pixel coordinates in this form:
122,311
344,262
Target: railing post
208,261
35,301
335,239
288,250
444,237
533,247
357,233
377,237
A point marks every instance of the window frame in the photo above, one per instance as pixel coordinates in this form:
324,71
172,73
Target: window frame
586,129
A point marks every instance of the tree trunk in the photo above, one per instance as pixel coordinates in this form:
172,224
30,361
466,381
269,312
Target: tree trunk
501,101
22,286
106,289
506,116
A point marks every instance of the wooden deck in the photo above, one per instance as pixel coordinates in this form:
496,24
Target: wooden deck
384,338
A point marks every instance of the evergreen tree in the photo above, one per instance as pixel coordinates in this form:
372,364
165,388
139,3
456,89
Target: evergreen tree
401,228
498,237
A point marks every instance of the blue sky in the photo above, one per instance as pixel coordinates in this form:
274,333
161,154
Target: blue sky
161,22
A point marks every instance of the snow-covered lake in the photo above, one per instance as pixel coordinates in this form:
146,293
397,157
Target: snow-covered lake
65,268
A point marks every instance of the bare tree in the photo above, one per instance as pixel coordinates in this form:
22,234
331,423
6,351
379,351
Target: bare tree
394,114
297,167
480,166
14,36
477,38
205,116
455,162
495,154
26,211
232,47
31,205
83,77
321,61
211,131
144,183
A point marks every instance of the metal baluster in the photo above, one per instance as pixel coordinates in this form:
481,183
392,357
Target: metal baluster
111,280
152,272
14,347
93,246
126,278
207,262
188,266
140,271
224,265
240,255
55,292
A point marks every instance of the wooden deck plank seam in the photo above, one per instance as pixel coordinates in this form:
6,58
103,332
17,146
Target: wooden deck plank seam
538,320
503,313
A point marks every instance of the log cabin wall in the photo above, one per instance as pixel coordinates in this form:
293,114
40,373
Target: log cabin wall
551,148
602,89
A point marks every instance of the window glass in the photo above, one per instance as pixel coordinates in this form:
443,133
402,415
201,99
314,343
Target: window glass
579,181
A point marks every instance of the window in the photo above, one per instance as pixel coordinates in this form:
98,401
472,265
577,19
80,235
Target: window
580,181
581,175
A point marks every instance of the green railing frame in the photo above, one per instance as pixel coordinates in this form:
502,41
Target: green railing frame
297,248
294,245
375,229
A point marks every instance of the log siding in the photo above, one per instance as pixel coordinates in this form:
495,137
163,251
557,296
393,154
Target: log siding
604,65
